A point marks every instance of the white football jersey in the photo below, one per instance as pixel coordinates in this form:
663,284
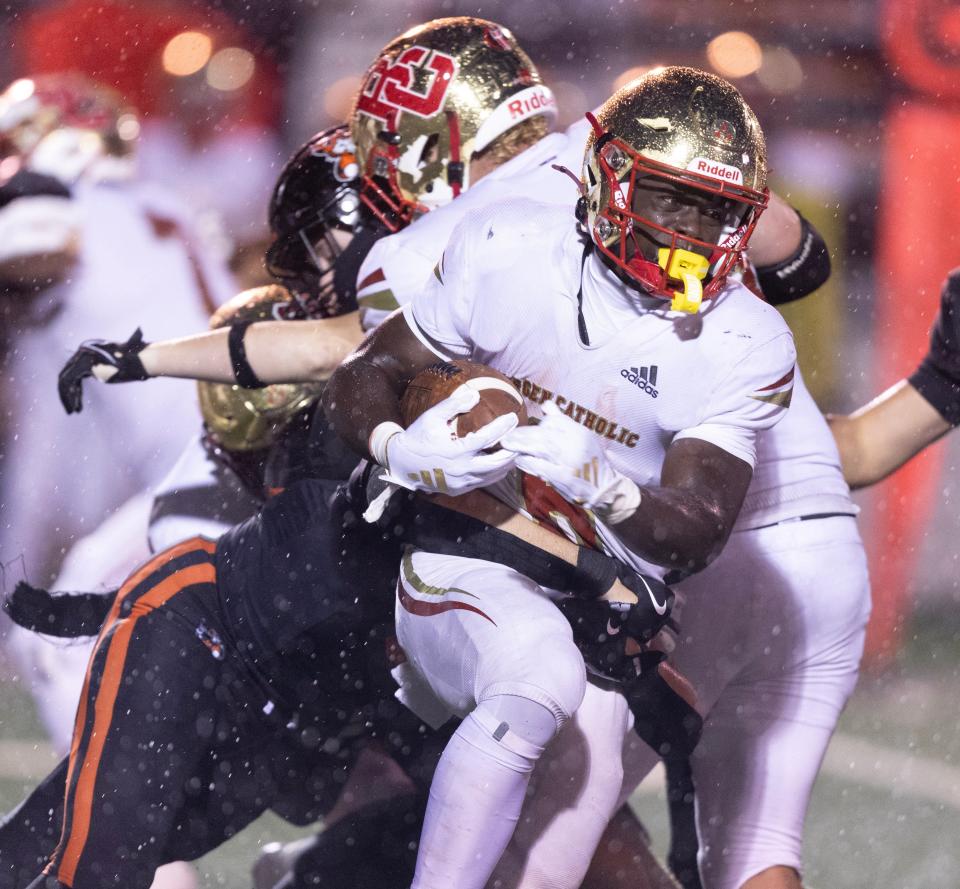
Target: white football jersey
797,468
139,265
517,290
396,267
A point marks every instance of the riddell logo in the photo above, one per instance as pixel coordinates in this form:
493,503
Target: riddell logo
538,100
644,378
716,170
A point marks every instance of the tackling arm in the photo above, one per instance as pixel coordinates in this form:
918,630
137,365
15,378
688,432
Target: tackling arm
277,351
790,256
777,234
883,435
249,355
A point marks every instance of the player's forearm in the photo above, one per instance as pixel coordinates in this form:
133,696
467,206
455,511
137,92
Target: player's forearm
277,351
777,234
790,256
360,396
675,528
883,435
482,506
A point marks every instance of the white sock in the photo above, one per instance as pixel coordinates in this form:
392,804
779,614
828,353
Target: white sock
478,790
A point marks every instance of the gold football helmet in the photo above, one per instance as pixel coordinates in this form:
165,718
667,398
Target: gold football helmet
243,420
61,124
436,96
674,180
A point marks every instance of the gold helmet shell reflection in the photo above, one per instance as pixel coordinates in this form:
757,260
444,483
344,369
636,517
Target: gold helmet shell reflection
253,419
65,124
436,95
688,128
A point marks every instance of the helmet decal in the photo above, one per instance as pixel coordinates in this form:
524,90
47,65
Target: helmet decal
417,82
436,96
341,155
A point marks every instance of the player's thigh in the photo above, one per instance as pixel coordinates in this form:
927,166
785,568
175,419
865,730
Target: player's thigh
474,630
777,600
766,735
238,781
753,786
149,718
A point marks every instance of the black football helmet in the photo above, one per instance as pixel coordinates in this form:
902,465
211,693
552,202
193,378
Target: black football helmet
315,199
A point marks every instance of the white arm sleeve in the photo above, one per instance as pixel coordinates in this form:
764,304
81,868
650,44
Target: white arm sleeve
754,396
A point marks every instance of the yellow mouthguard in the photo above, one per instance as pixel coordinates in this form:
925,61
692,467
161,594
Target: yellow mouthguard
689,267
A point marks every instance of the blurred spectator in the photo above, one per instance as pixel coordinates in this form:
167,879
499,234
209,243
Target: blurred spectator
123,254
208,96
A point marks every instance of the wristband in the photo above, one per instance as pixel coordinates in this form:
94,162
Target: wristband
595,574
243,373
799,274
379,437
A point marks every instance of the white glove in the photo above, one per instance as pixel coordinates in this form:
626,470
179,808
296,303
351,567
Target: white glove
571,458
428,455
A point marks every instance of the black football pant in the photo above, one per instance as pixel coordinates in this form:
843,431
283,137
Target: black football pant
29,834
176,746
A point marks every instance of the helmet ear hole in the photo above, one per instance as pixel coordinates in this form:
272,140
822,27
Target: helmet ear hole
581,211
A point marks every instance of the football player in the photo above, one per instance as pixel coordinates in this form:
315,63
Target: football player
122,249
662,466
799,478
244,425
246,674
884,434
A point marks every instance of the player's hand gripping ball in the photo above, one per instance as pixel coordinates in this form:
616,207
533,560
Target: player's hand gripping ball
455,414
498,396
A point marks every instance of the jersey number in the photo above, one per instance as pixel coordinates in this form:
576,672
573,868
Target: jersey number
393,87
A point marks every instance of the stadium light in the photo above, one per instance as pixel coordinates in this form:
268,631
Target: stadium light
230,68
186,53
780,71
734,54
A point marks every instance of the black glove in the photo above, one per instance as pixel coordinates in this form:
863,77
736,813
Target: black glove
65,615
124,357
660,700
938,377
602,630
643,620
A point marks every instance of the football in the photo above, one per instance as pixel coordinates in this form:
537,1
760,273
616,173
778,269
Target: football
498,395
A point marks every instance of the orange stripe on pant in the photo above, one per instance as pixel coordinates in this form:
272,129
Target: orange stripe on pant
131,583
110,684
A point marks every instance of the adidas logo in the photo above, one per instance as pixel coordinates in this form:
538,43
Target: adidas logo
644,378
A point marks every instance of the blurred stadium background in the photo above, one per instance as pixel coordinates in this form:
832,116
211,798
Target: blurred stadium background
861,104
